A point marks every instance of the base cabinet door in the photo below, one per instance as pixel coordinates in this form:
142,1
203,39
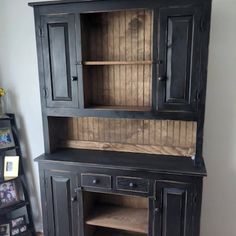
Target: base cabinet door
174,211
61,205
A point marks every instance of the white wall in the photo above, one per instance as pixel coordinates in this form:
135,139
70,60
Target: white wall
18,73
219,197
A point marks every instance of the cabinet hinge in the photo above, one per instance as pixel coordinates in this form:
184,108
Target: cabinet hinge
158,62
79,189
195,198
45,90
154,198
197,98
203,24
40,32
46,183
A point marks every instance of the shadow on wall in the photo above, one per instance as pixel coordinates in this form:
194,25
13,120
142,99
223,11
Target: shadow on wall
11,107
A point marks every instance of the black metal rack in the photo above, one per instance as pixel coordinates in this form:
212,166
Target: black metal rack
6,212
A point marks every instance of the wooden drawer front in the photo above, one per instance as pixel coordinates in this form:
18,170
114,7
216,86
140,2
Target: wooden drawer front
132,184
96,181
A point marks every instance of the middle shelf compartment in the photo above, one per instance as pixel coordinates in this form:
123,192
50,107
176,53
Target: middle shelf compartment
121,212
117,59
118,85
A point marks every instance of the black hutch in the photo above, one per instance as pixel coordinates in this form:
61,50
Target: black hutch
123,87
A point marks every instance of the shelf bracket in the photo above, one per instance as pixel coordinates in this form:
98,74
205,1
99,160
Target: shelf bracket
40,32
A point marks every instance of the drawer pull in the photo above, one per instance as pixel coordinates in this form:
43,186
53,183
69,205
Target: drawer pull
132,185
96,181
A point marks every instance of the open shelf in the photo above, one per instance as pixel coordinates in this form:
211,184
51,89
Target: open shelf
4,180
98,63
110,232
124,108
125,87
117,217
6,117
163,137
14,207
9,148
116,212
117,64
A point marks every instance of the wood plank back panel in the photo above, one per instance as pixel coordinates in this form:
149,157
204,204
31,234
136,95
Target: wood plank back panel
114,199
165,137
125,201
118,36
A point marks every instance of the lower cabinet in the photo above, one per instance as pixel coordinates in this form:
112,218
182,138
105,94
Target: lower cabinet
174,208
86,203
60,208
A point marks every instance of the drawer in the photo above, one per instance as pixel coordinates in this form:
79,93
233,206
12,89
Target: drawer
132,184
96,181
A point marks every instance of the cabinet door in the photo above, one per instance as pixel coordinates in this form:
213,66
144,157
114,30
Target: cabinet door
61,204
179,53
59,55
174,209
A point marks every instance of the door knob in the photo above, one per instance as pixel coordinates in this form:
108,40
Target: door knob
162,78
73,199
157,210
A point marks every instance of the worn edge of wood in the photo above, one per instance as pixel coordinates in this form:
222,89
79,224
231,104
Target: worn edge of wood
149,149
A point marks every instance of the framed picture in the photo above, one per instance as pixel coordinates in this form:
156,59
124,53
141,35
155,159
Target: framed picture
10,193
6,138
5,229
2,167
18,226
11,167
18,221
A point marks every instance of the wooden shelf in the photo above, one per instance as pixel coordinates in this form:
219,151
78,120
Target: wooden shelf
104,63
109,232
117,217
5,117
10,179
124,108
10,208
9,148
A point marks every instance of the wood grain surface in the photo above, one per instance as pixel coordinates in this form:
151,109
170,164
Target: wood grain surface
124,218
118,58
129,135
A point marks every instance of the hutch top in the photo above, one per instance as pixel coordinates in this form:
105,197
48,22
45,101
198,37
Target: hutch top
126,76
